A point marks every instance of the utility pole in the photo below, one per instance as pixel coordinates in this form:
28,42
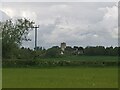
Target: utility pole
36,27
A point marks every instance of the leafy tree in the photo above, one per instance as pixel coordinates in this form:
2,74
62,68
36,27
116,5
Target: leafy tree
68,50
53,52
25,53
98,50
115,51
80,48
75,47
13,33
88,50
109,51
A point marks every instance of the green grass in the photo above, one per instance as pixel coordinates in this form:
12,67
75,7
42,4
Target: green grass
61,77
0,78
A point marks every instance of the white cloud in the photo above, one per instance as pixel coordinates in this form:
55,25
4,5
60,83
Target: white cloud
74,23
110,21
9,12
115,33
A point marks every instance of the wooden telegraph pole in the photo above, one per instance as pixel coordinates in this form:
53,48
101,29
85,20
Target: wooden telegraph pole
36,27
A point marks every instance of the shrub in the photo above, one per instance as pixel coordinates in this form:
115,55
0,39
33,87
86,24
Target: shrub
53,53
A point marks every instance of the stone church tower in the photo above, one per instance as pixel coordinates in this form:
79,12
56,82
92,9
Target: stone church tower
63,46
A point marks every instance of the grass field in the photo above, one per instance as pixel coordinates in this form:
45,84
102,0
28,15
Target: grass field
61,77
0,78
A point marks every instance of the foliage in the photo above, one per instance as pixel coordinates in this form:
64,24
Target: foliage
68,50
25,53
92,61
53,52
101,50
98,50
13,33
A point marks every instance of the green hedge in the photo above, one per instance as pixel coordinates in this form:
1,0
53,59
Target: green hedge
48,63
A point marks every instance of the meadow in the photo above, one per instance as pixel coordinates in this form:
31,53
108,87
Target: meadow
63,76
60,77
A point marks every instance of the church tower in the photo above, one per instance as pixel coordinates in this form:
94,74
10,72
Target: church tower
63,46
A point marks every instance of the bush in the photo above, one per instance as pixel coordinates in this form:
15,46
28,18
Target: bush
53,53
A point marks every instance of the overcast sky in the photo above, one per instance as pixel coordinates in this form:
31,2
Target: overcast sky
81,23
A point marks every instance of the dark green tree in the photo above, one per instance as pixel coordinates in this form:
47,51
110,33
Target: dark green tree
13,33
109,51
53,52
69,50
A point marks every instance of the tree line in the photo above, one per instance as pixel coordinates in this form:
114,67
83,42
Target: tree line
55,52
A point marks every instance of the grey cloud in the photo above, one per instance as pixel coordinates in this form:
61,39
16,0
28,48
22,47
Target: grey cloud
74,23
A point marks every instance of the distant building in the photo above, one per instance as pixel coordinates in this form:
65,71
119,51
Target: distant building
81,52
78,50
63,46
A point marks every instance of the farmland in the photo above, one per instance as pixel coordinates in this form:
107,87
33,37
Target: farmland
60,77
63,76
